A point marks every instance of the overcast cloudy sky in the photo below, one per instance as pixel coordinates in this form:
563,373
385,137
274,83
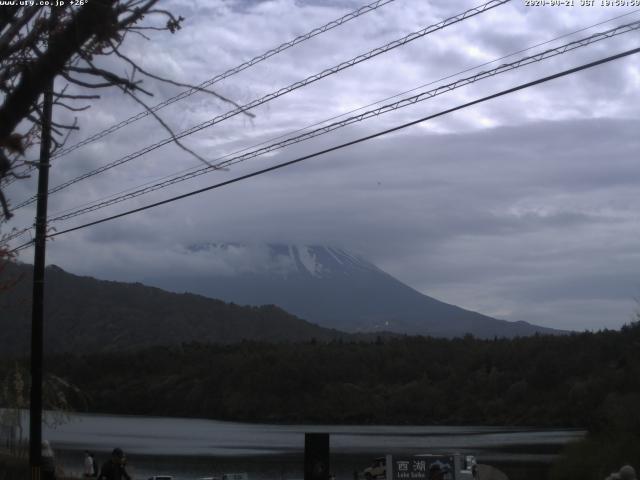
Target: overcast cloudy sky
523,208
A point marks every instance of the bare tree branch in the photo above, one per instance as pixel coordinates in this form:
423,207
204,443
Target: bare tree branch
73,109
62,45
167,128
136,67
37,45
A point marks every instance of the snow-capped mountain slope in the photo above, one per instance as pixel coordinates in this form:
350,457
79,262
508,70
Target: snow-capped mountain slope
330,287
284,260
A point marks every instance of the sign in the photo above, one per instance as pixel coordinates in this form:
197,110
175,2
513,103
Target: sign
423,467
316,456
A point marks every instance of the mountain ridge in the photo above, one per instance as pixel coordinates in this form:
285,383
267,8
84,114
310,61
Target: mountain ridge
84,314
331,287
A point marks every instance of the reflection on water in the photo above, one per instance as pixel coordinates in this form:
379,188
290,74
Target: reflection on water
192,448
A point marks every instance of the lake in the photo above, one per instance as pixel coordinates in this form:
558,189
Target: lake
192,448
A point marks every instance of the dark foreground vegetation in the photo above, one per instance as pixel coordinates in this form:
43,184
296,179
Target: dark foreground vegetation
587,380
597,456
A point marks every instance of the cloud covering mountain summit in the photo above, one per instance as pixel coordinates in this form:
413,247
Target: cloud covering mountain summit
329,286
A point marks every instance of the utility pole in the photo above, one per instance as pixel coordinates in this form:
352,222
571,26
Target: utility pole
37,343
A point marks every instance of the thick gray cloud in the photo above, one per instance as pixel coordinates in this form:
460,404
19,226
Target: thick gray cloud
524,208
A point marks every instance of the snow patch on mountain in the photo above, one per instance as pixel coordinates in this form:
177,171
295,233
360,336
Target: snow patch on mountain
325,285
309,260
334,256
318,261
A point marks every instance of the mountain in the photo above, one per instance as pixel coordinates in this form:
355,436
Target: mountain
330,287
85,315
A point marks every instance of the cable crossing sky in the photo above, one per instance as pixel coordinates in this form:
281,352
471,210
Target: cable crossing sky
347,144
254,61
232,71
283,91
420,97
234,158
335,117
341,115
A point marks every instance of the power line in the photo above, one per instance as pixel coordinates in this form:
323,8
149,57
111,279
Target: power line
15,234
255,60
347,144
273,139
283,91
232,71
190,173
29,169
550,53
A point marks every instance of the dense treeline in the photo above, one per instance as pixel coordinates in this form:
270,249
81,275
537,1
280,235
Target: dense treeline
584,380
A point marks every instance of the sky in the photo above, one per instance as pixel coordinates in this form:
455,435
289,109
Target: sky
524,207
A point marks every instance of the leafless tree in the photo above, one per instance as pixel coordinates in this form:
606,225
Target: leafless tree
5,256
59,397
38,44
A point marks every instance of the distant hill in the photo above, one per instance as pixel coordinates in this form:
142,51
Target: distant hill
330,287
85,315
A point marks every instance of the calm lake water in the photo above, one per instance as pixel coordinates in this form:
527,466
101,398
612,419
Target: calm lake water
192,448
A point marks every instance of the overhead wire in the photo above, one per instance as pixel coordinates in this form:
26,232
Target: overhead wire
378,102
13,235
217,78
283,91
422,96
232,71
346,144
25,230
175,178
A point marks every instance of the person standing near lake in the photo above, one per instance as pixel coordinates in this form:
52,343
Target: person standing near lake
114,469
48,468
89,467
94,462
627,472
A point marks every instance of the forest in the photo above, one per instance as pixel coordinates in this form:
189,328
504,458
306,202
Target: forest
586,380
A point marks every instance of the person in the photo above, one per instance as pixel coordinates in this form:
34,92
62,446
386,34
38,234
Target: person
114,468
94,462
482,472
48,469
435,472
627,472
88,464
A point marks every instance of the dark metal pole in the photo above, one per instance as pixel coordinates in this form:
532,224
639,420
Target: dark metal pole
37,343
